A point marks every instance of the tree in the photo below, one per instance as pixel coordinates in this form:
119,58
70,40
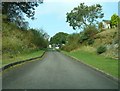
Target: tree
84,15
15,10
114,20
59,38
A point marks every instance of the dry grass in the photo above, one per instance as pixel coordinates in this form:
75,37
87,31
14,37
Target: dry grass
105,37
87,49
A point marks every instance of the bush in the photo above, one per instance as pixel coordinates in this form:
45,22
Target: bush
83,38
101,49
70,47
72,42
102,30
90,41
90,31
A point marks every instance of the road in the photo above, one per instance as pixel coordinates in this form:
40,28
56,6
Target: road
55,71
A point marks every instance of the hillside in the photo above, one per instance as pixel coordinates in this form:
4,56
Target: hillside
106,61
109,38
18,42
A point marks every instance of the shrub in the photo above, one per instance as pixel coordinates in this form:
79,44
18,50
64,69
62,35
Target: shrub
90,31
72,42
83,38
101,49
90,41
70,47
102,30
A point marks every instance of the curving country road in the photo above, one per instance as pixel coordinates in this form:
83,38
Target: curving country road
55,71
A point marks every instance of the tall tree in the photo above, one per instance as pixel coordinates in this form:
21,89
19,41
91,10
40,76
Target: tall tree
84,15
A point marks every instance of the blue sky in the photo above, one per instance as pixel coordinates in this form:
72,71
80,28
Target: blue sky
51,16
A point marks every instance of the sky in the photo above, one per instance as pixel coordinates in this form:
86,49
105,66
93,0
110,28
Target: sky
51,15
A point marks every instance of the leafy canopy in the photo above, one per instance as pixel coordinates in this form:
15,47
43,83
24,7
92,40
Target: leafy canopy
15,11
59,38
84,15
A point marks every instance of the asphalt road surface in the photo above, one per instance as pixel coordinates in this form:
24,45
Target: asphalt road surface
55,71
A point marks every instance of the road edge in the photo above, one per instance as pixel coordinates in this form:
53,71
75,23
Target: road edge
94,68
19,62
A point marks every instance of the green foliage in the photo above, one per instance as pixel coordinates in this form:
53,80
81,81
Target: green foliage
83,38
17,41
100,26
103,30
101,49
69,48
59,38
90,41
88,33
38,38
84,15
15,10
72,42
114,20
23,56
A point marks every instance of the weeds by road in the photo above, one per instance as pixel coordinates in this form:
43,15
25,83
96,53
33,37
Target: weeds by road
23,56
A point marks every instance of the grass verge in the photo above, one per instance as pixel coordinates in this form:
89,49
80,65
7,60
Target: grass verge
107,65
23,56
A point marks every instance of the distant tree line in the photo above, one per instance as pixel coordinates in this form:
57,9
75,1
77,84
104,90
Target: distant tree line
59,39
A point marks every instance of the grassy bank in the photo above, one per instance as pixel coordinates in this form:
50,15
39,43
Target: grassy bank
107,65
23,56
21,43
